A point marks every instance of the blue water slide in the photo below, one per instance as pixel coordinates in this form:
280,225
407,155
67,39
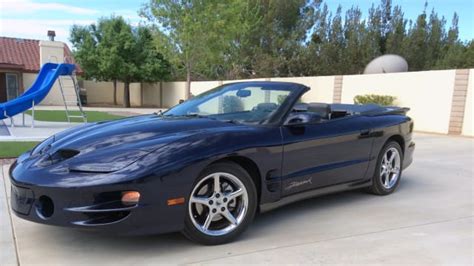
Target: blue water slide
44,82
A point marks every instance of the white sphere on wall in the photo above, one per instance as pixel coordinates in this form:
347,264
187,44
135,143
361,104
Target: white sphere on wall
389,63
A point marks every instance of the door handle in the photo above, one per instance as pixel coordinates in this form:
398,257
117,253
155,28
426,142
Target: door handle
365,134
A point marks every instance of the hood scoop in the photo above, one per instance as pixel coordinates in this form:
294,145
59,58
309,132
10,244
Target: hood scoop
64,154
58,156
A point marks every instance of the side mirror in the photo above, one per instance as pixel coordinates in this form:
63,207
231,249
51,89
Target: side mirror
300,119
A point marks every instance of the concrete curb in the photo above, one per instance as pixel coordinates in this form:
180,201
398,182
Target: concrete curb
8,254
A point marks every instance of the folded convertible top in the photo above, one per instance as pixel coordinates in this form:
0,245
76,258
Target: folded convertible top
368,109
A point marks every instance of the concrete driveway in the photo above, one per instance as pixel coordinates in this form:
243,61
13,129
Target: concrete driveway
429,220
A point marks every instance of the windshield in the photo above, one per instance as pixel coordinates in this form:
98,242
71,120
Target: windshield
239,102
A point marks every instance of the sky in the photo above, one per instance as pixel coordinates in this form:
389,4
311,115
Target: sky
31,19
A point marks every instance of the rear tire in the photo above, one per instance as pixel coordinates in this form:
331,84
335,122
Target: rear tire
388,170
221,205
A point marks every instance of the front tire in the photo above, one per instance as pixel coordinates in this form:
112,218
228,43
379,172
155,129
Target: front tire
388,170
221,205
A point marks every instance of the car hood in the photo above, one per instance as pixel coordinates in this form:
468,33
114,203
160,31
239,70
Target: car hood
140,132
113,145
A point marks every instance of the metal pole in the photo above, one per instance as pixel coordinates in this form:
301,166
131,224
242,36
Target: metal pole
64,99
33,114
11,119
6,116
23,118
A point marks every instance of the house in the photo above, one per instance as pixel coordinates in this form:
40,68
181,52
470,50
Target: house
21,60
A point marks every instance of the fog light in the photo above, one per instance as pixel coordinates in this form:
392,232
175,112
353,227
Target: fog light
44,207
130,197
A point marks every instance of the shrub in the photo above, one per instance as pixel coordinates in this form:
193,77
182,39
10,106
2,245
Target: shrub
232,104
384,100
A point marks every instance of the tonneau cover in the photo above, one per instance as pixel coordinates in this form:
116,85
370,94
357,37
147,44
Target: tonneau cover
368,109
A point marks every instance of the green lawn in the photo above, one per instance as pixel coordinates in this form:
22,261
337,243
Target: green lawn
60,116
11,149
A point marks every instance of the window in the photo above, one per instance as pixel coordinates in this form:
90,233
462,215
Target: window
239,102
12,85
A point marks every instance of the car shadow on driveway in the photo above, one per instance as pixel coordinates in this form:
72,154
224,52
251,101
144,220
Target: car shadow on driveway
282,222
318,220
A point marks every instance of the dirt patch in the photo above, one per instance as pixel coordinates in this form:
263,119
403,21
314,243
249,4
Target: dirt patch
7,161
122,113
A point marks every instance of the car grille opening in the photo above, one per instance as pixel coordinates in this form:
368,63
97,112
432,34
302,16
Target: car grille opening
45,207
105,218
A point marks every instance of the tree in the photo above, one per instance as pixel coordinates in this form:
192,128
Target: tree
113,50
435,40
397,32
275,45
197,32
354,58
233,39
454,53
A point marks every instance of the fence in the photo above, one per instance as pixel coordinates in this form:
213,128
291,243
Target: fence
440,101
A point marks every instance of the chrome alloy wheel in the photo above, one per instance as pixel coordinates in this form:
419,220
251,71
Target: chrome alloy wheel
390,168
218,204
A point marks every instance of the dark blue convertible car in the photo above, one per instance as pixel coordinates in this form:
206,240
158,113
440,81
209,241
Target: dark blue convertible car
207,166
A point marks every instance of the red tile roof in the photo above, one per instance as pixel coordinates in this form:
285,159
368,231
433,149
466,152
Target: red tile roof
24,54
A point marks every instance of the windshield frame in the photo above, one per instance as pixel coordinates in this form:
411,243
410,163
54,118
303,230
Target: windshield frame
276,118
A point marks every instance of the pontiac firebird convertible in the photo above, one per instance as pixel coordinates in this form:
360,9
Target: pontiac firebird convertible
206,166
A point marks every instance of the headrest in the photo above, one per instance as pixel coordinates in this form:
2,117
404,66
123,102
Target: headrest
300,107
322,109
267,107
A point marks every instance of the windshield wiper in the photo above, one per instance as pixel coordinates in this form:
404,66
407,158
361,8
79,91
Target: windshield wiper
186,115
232,121
196,115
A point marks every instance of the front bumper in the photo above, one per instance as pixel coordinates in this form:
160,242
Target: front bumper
96,207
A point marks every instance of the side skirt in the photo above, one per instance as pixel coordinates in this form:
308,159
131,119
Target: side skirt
314,193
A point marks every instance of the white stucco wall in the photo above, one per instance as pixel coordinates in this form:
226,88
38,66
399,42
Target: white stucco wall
428,94
28,80
54,52
199,87
240,80
321,87
468,126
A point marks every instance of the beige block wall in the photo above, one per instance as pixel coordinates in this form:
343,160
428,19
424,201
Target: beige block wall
427,93
173,92
103,92
99,92
468,126
151,94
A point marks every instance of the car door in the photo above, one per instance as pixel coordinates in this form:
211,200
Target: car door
325,153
